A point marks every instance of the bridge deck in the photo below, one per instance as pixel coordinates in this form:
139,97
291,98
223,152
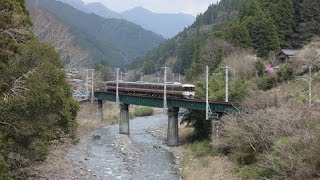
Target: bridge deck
218,107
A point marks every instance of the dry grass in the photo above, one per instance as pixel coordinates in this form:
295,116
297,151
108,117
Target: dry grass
207,168
88,116
201,168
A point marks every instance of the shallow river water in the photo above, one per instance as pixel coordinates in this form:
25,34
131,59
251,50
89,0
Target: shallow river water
107,155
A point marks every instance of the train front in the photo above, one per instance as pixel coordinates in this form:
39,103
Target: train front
188,91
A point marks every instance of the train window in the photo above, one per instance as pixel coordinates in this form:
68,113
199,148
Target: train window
188,88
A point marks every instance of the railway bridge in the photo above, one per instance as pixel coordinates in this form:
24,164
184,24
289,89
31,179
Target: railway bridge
172,104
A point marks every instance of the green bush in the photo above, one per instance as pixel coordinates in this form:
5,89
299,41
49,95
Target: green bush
38,150
254,172
202,128
266,82
200,148
285,73
143,111
4,168
260,68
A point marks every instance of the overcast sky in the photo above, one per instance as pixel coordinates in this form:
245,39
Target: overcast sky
193,7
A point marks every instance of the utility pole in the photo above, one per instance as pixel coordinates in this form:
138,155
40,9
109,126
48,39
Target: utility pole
92,79
121,76
309,80
158,77
207,94
227,83
87,82
165,88
179,78
141,77
117,90
172,77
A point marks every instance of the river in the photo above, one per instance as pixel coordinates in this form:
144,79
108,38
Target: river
106,154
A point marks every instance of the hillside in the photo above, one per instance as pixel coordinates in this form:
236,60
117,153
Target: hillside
264,26
36,104
116,41
51,30
180,51
167,25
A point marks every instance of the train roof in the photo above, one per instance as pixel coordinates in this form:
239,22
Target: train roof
159,84
188,85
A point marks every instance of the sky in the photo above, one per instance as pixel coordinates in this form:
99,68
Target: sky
193,7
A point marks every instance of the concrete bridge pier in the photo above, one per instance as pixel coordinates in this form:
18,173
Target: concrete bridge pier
124,119
216,129
172,133
100,110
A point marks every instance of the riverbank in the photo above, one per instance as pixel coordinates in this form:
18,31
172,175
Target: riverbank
56,165
193,166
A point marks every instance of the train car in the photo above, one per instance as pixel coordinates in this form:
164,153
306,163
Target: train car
173,90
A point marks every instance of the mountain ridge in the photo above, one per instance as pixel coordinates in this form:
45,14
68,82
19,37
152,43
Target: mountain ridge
114,40
165,24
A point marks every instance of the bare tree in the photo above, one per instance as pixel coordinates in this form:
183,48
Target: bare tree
49,29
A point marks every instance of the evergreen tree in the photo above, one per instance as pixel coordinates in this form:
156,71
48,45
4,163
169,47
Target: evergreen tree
237,33
263,32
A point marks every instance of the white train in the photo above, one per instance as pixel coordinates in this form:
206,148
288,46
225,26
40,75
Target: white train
173,90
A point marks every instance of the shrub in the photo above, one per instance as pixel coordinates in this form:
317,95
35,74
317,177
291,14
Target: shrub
266,82
4,168
285,73
202,128
143,111
38,150
280,143
200,148
259,68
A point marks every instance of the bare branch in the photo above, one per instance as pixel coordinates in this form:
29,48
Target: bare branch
18,86
8,124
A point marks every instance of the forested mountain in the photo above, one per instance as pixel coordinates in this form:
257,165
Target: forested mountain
51,30
36,104
116,41
180,51
264,25
167,25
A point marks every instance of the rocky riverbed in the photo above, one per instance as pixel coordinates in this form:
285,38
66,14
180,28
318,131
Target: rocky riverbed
108,155
102,153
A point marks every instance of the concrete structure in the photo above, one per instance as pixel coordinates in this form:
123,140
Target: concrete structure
172,132
124,119
100,110
173,108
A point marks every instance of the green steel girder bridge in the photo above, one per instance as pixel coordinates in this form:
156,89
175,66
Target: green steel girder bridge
195,104
173,108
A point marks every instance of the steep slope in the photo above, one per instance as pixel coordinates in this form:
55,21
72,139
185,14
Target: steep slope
167,25
117,41
180,51
49,29
262,25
